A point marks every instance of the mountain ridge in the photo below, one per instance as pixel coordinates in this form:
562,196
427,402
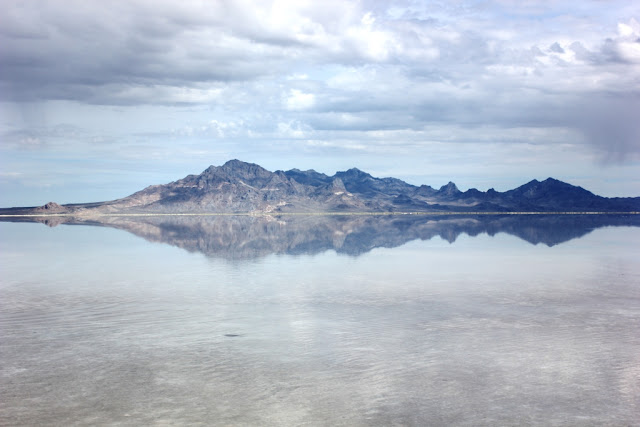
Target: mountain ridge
241,187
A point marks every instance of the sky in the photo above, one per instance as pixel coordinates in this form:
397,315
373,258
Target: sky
101,99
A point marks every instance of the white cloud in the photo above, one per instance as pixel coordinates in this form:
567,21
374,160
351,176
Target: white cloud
628,42
293,129
298,100
625,30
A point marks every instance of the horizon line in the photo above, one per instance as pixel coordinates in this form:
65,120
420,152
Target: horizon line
274,214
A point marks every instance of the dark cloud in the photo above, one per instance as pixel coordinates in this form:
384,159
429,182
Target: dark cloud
98,49
556,48
611,125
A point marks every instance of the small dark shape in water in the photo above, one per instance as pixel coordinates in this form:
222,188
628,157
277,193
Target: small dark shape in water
232,335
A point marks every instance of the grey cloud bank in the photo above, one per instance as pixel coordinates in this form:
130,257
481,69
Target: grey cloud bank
123,94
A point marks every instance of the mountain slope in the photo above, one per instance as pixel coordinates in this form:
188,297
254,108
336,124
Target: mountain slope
239,187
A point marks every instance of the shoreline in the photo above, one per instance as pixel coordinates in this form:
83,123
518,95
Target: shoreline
275,214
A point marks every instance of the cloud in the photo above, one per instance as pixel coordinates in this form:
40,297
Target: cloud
294,130
611,125
119,52
627,44
440,72
556,48
36,138
298,100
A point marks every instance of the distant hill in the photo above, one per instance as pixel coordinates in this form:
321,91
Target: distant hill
240,187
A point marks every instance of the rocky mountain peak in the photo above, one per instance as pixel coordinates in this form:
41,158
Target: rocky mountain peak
248,173
449,190
51,207
239,167
354,173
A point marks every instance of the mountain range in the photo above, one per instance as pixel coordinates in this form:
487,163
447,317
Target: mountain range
240,187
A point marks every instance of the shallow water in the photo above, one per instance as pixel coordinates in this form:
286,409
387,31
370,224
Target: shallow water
99,326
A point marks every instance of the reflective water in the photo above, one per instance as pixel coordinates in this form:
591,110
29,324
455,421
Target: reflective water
298,321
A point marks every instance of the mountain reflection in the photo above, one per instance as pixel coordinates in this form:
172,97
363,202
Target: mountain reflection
244,237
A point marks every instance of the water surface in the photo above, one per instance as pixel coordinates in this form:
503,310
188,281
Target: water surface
100,326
